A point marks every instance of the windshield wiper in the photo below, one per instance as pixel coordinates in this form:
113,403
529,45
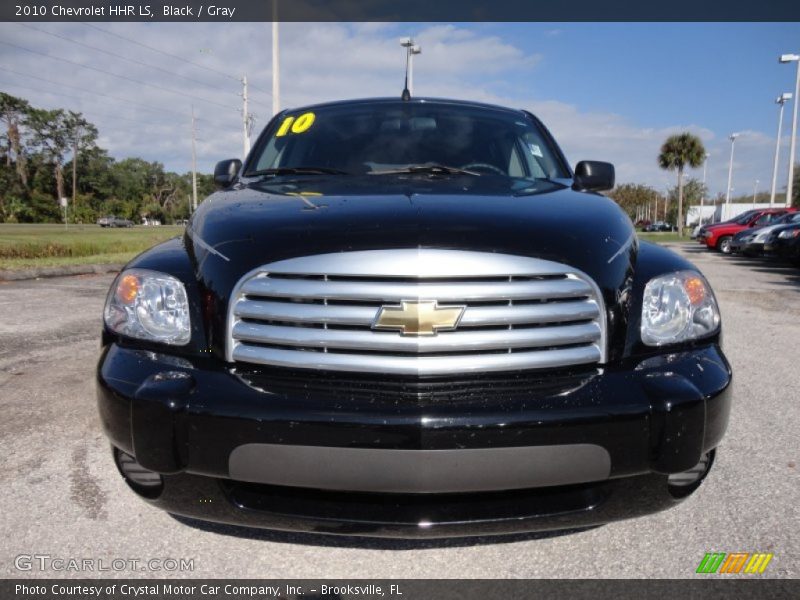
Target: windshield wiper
432,169
298,171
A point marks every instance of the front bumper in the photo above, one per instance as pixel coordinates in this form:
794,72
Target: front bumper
784,248
337,454
747,247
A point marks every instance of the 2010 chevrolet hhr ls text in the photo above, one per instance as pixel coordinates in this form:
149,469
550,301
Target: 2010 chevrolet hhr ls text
411,318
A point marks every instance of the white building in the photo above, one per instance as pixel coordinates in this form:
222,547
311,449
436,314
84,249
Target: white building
722,212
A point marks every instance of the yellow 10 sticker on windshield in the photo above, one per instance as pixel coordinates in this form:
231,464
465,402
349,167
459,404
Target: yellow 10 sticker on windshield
299,124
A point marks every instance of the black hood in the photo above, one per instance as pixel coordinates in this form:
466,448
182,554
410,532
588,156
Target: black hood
238,230
260,222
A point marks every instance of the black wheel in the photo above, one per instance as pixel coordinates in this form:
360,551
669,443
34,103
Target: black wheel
724,244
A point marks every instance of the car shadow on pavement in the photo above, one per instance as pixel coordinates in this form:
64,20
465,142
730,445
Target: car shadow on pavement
367,543
752,262
791,279
763,264
691,248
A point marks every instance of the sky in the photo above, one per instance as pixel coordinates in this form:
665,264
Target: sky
606,91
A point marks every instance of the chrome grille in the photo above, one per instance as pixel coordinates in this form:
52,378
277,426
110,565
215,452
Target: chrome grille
317,312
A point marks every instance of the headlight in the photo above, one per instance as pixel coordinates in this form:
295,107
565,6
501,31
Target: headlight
788,234
149,306
678,307
760,237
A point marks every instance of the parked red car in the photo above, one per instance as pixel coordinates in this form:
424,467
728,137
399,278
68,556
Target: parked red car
719,236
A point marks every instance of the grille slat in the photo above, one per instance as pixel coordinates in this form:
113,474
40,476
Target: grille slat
474,316
396,292
418,365
317,312
288,312
334,339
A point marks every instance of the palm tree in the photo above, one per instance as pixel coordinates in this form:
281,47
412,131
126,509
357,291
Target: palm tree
677,152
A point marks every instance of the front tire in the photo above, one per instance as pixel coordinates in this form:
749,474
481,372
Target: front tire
724,244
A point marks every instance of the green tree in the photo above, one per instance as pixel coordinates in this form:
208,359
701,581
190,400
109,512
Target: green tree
51,137
677,152
40,208
134,178
13,112
693,192
57,133
165,193
632,196
95,170
12,194
205,185
42,178
83,136
44,153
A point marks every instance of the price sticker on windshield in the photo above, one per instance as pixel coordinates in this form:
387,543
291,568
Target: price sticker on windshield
299,124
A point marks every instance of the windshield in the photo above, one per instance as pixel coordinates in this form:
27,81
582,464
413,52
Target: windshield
391,137
744,218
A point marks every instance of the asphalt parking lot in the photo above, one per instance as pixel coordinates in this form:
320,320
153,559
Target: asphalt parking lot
63,497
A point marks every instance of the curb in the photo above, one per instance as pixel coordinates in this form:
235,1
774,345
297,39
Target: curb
65,271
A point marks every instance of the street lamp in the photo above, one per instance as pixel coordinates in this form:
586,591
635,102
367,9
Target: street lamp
276,64
755,188
411,50
787,58
732,137
703,195
780,100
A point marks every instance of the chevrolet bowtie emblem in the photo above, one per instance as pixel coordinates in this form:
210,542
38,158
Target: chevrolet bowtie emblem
418,318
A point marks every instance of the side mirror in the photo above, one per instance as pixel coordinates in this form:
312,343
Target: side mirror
593,176
225,171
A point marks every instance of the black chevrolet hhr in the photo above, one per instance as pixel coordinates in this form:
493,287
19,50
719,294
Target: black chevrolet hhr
411,318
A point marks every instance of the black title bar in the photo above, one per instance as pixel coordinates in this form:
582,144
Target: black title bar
399,10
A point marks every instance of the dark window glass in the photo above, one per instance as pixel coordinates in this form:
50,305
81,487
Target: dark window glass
369,138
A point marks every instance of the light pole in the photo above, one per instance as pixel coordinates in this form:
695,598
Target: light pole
787,58
655,206
703,195
732,137
755,187
245,119
276,64
780,100
411,50
194,162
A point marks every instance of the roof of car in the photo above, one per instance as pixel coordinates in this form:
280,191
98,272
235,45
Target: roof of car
416,100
